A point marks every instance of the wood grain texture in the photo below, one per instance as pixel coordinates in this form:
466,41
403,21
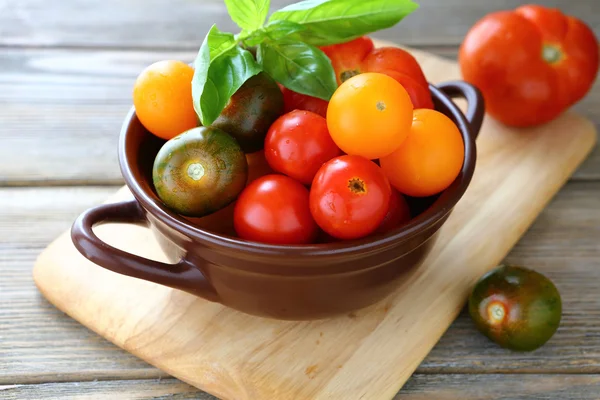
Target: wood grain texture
419,387
38,343
232,355
62,111
183,23
44,345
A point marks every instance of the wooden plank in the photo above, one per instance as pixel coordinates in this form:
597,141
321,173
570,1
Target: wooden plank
419,387
171,389
61,113
40,344
184,23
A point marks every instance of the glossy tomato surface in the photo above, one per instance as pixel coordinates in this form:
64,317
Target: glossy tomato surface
516,307
530,63
162,96
199,172
369,115
349,197
298,144
430,158
275,209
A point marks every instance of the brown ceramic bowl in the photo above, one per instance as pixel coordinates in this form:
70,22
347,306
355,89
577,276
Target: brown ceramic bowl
283,282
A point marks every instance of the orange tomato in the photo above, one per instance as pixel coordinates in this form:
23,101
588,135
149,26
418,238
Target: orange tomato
430,158
369,115
162,96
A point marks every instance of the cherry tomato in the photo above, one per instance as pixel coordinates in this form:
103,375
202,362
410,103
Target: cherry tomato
162,96
430,158
297,101
398,213
531,63
298,143
360,56
349,197
395,59
369,115
275,209
419,94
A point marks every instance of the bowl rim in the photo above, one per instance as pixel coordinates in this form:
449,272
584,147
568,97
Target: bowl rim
418,225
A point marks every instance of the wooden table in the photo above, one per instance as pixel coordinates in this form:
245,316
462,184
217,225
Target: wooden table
66,74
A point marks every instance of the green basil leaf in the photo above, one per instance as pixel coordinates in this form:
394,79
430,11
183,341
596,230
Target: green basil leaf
248,14
221,68
274,31
299,67
335,21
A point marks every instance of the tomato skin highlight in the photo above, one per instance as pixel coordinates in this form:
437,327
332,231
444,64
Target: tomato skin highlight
162,97
430,158
275,209
531,63
298,144
369,115
349,197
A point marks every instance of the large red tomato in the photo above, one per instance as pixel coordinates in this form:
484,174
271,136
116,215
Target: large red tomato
349,197
275,209
298,143
360,56
530,64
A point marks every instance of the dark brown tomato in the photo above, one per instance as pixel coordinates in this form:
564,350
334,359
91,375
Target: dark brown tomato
251,111
516,307
200,171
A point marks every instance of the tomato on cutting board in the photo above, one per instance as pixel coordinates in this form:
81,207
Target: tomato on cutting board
531,63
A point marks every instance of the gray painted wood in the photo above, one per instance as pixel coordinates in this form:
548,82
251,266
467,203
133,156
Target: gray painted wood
184,23
419,387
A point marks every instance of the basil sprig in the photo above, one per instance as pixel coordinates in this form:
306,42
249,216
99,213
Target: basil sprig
286,46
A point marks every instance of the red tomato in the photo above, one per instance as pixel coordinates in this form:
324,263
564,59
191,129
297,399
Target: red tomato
298,143
531,63
359,56
349,197
296,101
275,209
398,213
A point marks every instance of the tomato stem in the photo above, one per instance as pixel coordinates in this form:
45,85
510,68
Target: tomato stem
551,53
357,185
195,171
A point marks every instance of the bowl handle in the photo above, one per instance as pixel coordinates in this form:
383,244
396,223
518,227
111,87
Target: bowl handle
475,103
183,275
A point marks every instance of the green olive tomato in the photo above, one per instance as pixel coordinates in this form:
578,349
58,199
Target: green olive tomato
200,171
516,307
251,112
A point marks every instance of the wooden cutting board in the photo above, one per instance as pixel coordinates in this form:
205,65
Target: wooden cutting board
368,354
